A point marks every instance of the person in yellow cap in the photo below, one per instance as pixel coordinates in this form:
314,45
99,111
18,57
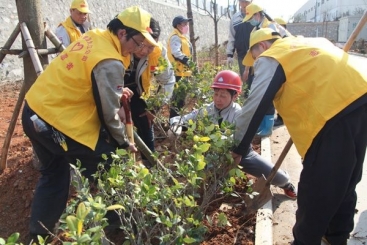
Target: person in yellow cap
259,19
256,16
326,116
281,22
76,101
139,77
238,36
76,24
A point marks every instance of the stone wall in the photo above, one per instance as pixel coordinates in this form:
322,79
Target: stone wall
56,11
321,29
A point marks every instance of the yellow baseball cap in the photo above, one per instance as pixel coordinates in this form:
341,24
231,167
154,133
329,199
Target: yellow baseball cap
80,5
257,36
138,19
251,9
280,21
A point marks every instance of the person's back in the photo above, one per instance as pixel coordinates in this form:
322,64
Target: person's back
78,97
321,92
76,24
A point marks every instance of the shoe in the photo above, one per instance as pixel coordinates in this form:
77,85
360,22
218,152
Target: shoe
278,122
290,191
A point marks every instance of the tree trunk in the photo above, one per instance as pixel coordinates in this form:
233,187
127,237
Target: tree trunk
215,19
29,11
192,32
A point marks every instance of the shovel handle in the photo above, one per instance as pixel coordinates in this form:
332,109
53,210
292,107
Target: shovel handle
355,32
274,170
129,121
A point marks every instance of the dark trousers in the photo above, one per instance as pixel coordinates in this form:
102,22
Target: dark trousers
176,101
326,191
144,130
52,189
241,66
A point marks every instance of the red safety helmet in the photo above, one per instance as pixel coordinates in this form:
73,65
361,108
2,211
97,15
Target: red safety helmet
228,80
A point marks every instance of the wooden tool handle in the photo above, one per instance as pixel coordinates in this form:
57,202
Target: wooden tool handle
355,32
129,122
279,162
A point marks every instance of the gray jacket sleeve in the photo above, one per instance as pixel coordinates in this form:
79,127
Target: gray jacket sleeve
109,75
166,78
260,99
231,35
175,45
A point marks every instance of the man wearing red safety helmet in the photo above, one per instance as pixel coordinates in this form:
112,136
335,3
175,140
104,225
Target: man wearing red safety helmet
227,86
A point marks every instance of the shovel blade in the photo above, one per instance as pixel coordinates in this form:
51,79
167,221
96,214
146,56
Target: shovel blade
263,188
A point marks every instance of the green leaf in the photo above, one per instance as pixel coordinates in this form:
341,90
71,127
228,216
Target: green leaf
222,220
200,165
121,152
82,211
13,238
116,206
72,223
209,128
84,238
189,240
204,147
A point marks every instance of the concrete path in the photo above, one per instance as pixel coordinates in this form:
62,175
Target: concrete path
284,209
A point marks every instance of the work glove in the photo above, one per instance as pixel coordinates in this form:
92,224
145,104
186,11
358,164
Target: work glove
176,129
229,61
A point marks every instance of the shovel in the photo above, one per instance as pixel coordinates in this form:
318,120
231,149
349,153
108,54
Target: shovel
135,138
262,185
129,121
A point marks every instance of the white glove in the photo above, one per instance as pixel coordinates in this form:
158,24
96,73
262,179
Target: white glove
176,129
229,61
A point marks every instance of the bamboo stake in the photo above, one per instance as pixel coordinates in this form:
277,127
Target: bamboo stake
23,53
39,52
10,41
53,38
31,49
9,133
38,67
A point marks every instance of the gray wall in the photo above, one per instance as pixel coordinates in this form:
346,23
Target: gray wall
55,11
347,26
328,30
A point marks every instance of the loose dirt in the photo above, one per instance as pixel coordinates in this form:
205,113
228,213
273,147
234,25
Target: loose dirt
19,179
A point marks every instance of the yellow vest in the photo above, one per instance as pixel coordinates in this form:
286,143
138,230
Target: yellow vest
146,77
73,31
62,95
180,69
321,80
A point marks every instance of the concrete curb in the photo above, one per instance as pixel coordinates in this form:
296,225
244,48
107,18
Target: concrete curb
264,216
